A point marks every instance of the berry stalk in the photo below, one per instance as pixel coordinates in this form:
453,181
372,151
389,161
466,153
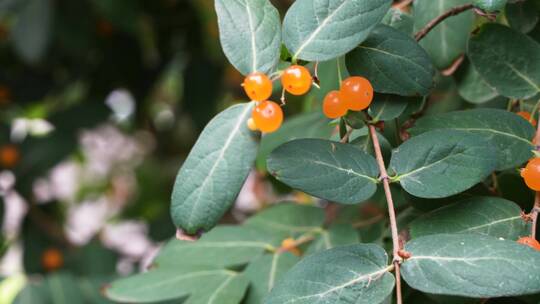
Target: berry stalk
391,210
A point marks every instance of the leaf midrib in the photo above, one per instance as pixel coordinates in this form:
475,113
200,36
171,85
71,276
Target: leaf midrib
318,30
224,148
348,171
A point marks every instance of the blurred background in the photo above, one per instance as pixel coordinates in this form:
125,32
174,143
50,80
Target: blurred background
100,103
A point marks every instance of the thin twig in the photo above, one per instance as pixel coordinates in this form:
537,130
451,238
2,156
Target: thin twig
536,208
402,5
391,210
433,23
345,138
534,215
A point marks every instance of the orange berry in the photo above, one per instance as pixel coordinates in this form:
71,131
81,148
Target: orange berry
252,125
531,174
296,80
5,95
104,28
529,241
527,117
357,93
258,86
334,106
267,116
9,156
52,259
290,246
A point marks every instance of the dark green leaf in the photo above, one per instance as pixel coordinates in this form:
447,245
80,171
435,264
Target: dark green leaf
471,265
214,171
490,5
329,170
441,163
348,274
523,16
447,41
400,20
336,235
31,33
307,125
509,133
200,285
492,216
387,107
508,60
264,272
319,30
250,34
288,219
473,88
393,62
224,246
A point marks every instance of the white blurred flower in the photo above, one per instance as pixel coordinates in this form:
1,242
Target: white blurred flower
21,127
125,266
254,194
129,238
62,184
85,220
121,103
42,191
64,179
106,147
12,261
15,208
7,181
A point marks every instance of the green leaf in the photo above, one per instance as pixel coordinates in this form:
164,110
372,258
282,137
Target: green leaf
387,107
442,163
348,274
509,133
447,41
337,172
491,216
490,5
508,60
306,125
214,171
523,16
335,235
363,141
287,220
200,285
32,30
224,246
250,34
471,265
265,272
58,288
319,30
400,20
473,88
393,62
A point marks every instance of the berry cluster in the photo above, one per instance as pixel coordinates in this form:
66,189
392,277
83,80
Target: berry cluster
267,116
355,94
